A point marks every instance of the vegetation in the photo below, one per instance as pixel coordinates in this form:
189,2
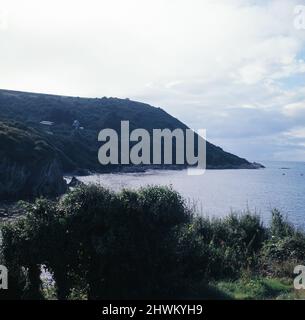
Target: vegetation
98,244
19,143
257,288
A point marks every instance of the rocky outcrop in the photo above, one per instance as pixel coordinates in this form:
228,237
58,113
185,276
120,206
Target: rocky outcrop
248,165
29,164
256,165
19,181
75,183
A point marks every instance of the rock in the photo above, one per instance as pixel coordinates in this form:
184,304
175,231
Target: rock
29,164
257,165
254,165
75,182
21,181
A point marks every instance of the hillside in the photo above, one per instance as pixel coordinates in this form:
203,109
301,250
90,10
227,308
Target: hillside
29,166
77,150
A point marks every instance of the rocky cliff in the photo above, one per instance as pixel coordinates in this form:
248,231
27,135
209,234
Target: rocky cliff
29,167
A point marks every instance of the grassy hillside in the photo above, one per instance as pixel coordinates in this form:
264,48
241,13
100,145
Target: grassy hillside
79,150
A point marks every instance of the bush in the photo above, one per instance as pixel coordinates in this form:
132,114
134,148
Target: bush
140,244
232,244
279,226
123,245
284,248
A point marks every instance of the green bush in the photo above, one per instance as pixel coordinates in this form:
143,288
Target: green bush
123,245
232,244
98,244
279,226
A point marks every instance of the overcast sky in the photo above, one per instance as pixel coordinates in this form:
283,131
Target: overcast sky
233,67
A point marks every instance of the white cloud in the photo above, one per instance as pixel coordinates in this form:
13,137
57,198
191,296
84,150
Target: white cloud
298,133
199,60
3,20
252,74
294,109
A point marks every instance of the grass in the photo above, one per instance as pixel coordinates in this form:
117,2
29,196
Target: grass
242,289
260,289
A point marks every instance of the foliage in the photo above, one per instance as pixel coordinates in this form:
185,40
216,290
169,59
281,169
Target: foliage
98,244
280,228
255,288
19,143
232,243
115,245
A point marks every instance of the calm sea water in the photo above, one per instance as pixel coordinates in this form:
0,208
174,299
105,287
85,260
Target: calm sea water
218,192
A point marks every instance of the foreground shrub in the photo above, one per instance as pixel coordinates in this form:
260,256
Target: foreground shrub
98,244
283,250
231,244
122,245
280,227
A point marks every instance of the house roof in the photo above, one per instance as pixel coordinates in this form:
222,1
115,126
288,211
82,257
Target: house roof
47,123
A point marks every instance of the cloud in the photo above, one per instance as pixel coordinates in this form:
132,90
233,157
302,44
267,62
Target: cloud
252,74
235,67
298,133
294,109
3,20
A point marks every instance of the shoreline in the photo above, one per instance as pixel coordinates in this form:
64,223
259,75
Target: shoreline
144,168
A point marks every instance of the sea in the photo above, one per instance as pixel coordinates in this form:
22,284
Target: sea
217,193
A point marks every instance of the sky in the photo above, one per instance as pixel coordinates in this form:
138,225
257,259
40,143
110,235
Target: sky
233,67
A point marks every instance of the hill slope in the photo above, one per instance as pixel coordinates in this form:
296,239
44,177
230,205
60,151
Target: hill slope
28,164
78,149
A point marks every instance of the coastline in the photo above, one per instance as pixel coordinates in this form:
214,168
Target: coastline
11,209
144,168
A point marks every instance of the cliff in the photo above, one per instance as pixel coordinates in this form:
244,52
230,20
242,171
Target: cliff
29,166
